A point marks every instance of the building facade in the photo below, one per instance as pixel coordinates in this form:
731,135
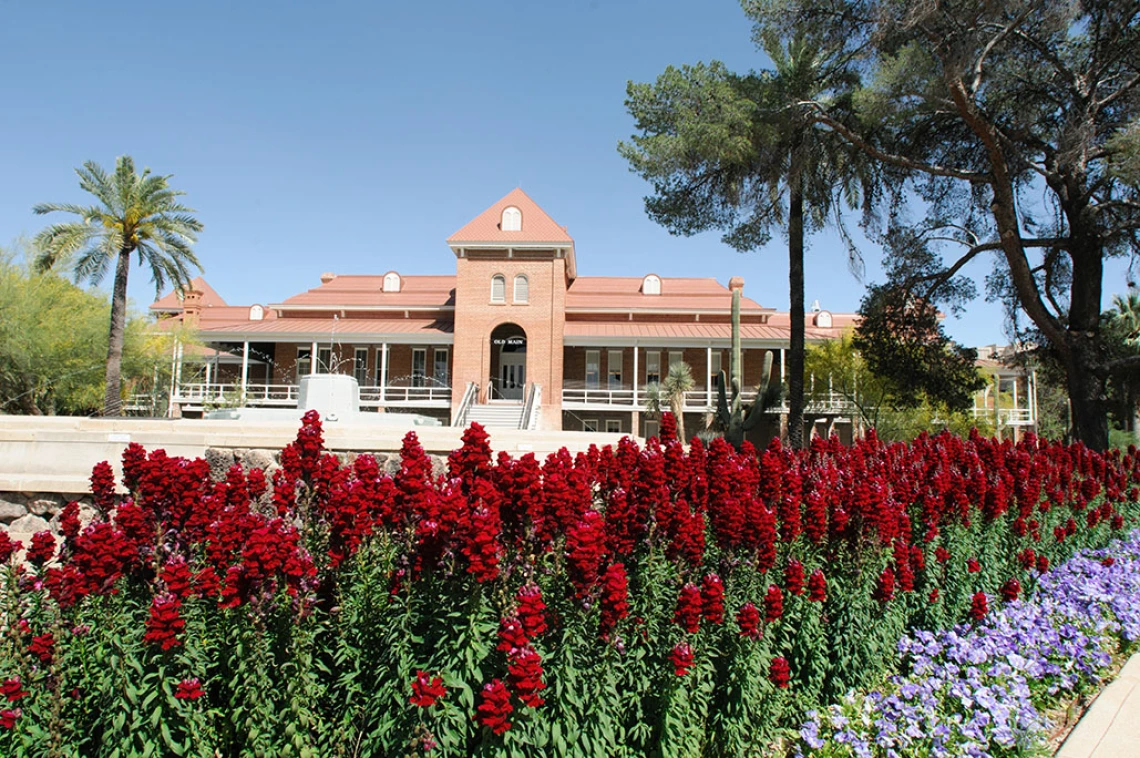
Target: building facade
515,338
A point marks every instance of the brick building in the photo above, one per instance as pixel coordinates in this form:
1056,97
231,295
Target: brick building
516,336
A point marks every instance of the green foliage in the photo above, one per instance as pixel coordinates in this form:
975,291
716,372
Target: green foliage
669,394
136,213
53,342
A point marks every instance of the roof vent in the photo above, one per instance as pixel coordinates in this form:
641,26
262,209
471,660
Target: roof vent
327,277
815,306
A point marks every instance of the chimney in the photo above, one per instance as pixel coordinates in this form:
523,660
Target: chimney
191,307
735,283
327,277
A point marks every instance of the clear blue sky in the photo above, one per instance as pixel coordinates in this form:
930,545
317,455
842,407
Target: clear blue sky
355,137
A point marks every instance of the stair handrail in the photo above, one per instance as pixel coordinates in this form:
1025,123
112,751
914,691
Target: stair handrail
465,404
534,392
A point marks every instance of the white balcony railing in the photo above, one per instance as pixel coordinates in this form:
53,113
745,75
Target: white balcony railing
1007,416
285,396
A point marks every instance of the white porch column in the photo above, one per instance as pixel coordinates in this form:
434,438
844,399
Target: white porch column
634,426
207,377
383,370
708,375
783,360
635,374
313,359
244,368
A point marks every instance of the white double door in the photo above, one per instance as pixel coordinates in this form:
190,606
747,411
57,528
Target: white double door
512,375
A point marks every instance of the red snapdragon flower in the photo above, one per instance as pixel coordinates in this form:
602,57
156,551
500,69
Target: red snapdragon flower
494,707
1107,562
1010,590
1042,564
165,622
189,689
8,717
512,635
12,689
426,690
978,606
615,598
817,587
748,619
688,612
524,674
941,554
682,658
972,566
8,547
43,647
103,486
42,549
934,596
531,611
712,599
885,587
773,604
794,577
780,672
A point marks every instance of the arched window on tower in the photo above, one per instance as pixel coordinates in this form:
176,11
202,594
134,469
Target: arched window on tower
498,289
522,289
512,220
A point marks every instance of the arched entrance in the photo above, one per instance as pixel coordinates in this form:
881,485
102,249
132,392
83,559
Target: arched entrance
508,362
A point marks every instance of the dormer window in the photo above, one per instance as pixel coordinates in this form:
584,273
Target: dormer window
512,220
651,285
823,319
522,289
498,288
256,313
391,282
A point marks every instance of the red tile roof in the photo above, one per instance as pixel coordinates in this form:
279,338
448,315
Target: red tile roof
537,226
352,290
327,328
172,303
677,294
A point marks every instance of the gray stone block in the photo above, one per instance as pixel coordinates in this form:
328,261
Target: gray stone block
262,459
46,505
220,461
29,524
10,510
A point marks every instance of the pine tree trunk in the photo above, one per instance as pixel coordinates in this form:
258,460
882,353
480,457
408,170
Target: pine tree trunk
113,400
796,309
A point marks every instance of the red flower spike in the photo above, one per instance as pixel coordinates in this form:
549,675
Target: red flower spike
780,672
42,549
614,599
712,599
494,707
189,689
426,690
512,635
794,577
8,718
1010,590
12,689
165,622
682,658
748,619
978,606
531,611
43,647
8,547
773,604
817,587
885,587
688,612
524,674
972,566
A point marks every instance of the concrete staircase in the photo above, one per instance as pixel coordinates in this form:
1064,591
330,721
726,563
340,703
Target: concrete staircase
496,415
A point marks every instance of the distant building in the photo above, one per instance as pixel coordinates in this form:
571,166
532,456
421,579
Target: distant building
516,336
1009,399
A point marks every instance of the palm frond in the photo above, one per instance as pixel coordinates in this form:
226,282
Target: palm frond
58,242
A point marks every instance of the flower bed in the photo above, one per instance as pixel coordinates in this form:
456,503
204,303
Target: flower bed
985,689
628,601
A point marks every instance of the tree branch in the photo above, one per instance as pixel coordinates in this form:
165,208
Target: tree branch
998,38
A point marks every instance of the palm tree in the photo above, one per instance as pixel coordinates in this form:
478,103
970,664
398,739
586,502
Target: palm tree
135,213
670,393
1127,314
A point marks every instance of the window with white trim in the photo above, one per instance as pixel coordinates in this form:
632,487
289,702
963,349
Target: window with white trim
522,289
324,360
613,372
593,368
304,354
256,313
714,370
360,365
419,366
589,425
651,285
498,289
391,282
512,219
652,366
613,425
675,357
439,367
652,429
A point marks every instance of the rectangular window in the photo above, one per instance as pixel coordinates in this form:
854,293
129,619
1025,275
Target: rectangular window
652,366
439,368
593,368
303,356
613,362
589,425
522,289
613,425
324,360
652,429
714,370
419,366
675,357
360,365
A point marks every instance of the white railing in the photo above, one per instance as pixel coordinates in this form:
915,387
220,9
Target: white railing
601,397
286,395
829,403
1007,416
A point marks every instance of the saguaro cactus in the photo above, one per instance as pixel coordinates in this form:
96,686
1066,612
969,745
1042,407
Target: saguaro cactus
732,417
